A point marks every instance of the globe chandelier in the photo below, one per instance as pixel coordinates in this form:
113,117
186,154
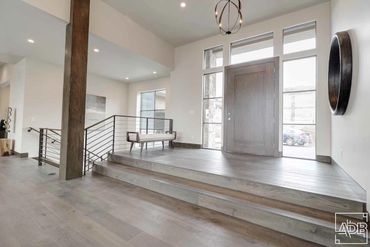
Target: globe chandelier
228,16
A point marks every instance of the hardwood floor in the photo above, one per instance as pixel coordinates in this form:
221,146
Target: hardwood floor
305,175
36,209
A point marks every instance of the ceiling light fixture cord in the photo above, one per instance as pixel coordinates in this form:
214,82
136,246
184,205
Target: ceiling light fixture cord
228,17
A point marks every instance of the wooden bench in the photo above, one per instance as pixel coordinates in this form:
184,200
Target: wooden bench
136,137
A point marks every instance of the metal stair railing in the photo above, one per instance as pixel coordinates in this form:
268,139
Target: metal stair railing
101,139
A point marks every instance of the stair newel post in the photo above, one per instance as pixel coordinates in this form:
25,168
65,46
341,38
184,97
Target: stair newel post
46,143
85,152
41,144
147,126
170,128
146,131
114,132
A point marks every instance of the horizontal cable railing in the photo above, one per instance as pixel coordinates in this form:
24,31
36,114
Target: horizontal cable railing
109,135
49,146
101,139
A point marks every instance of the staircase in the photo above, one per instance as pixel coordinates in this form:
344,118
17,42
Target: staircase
298,212
284,214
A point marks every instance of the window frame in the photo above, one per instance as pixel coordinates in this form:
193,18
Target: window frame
212,98
298,56
154,110
278,51
204,63
300,26
205,72
253,40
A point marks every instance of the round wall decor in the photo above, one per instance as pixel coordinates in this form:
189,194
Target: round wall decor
340,72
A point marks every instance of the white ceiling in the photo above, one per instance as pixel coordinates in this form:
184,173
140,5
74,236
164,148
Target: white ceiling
183,25
19,21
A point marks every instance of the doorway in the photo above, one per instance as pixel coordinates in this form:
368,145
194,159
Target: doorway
251,111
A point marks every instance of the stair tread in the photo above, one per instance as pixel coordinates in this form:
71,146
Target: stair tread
313,216
354,199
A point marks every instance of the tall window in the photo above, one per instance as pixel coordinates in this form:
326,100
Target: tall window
251,49
152,105
212,110
299,92
212,98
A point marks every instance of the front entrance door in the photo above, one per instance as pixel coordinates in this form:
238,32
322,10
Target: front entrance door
252,108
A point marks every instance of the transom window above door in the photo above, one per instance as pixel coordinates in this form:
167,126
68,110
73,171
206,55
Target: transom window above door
300,38
255,48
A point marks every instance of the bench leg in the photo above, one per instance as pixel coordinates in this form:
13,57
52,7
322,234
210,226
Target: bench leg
142,146
132,145
162,145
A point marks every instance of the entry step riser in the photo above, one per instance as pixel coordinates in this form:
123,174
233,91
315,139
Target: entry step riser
301,198
317,233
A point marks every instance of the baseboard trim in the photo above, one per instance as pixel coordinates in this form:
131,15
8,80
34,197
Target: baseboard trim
187,145
324,159
46,161
20,155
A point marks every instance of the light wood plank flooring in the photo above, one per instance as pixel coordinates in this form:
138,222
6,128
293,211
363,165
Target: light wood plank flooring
305,175
36,209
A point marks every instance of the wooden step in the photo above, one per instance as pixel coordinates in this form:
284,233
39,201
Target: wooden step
304,223
299,197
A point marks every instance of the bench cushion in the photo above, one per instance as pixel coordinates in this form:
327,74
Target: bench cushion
152,137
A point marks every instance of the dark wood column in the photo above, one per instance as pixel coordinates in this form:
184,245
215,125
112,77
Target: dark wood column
74,91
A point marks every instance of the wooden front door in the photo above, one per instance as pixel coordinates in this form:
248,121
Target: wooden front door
252,108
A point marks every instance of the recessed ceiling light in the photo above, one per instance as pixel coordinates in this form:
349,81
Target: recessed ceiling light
31,41
127,78
182,4
96,50
154,72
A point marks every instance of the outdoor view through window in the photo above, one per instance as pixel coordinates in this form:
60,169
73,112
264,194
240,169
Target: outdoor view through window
299,93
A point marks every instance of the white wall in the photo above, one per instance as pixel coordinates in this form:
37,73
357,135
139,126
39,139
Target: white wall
42,101
351,132
186,79
111,25
136,87
16,101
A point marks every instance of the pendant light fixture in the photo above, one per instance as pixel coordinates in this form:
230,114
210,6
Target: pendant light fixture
228,16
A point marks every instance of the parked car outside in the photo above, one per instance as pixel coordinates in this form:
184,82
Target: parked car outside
292,137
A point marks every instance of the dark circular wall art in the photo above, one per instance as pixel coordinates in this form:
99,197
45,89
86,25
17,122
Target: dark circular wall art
340,72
